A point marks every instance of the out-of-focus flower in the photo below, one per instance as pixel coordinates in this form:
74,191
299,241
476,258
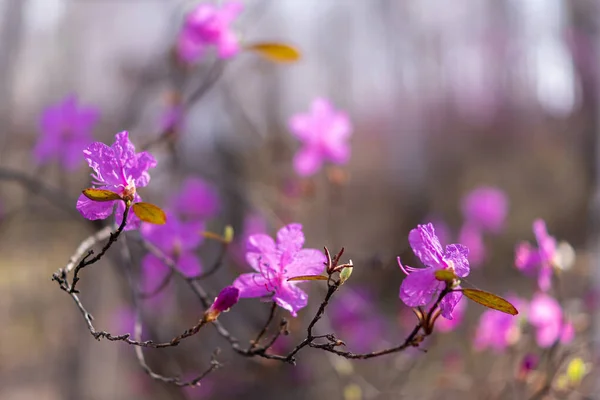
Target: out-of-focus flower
421,286
66,130
177,240
276,262
120,169
226,299
485,208
546,315
458,315
472,237
324,133
529,363
197,200
253,224
529,259
356,319
498,330
209,25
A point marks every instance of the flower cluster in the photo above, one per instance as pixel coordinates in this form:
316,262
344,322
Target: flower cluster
530,260
277,261
119,169
209,25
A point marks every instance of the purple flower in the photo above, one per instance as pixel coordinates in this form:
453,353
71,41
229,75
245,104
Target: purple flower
208,25
546,315
66,130
458,315
485,208
178,240
324,132
120,169
354,315
529,259
197,200
421,287
498,330
276,262
226,299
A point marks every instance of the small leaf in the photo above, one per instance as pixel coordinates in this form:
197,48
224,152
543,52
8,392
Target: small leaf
101,195
150,213
278,52
308,278
446,275
490,300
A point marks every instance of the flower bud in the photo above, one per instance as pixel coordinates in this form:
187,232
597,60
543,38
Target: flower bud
224,301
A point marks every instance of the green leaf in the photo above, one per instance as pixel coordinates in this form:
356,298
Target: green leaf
490,300
308,278
101,195
345,274
446,275
278,52
150,213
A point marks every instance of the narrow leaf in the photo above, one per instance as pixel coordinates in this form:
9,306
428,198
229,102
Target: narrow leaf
308,278
150,213
446,275
490,300
101,195
278,52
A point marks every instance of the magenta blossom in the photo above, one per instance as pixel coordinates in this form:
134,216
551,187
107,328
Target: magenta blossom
208,25
120,169
485,208
458,315
276,262
197,200
226,299
66,130
529,259
356,318
498,330
177,240
421,287
324,132
546,315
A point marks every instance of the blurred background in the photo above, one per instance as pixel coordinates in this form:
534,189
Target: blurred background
443,98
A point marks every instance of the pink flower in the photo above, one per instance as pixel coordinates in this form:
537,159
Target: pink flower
485,208
498,330
276,262
197,200
546,315
324,132
120,169
529,259
421,287
208,25
458,315
66,130
178,240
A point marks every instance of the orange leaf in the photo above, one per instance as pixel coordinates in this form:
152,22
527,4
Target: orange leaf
490,300
277,52
308,278
101,195
150,213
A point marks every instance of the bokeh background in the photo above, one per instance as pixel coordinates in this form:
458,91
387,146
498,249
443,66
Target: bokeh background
443,96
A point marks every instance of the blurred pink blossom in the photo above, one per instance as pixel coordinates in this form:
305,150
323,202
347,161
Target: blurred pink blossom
498,330
530,259
209,25
196,200
66,129
485,208
324,133
546,315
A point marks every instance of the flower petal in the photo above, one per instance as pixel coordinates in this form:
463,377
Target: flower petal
93,210
418,288
291,298
526,257
189,264
426,245
290,238
306,262
308,161
449,302
252,285
458,254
